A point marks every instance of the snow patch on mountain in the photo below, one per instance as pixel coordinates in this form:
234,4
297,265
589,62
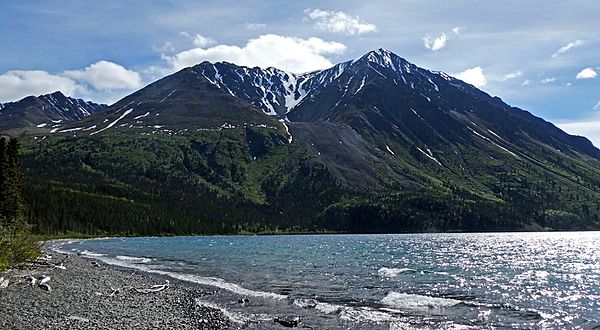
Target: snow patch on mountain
429,155
113,123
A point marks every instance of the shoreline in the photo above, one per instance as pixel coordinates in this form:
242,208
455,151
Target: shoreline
87,294
45,240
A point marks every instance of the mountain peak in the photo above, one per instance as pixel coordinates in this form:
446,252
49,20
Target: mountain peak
381,52
382,57
56,94
47,111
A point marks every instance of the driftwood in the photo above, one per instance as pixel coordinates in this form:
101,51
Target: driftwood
114,292
31,280
44,261
44,279
153,289
4,283
42,282
46,287
288,323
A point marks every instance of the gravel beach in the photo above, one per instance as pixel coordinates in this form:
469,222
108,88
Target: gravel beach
87,295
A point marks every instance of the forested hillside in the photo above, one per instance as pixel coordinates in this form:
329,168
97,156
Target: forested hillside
250,180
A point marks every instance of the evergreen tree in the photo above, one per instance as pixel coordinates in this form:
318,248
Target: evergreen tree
16,244
14,182
4,191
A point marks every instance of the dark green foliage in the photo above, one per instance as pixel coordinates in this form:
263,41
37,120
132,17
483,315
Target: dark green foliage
422,211
16,244
249,180
11,181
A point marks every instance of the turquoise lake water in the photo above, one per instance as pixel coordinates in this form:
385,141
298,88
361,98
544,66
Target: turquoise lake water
512,280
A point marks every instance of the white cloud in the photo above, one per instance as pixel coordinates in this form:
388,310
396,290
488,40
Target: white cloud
104,75
339,22
567,47
526,82
597,106
512,75
435,44
473,76
587,73
255,26
166,47
589,128
203,42
17,84
286,53
457,30
548,80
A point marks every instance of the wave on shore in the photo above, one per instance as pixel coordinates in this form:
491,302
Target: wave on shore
141,260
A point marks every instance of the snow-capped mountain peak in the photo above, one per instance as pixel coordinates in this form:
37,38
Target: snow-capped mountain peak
278,92
272,90
49,110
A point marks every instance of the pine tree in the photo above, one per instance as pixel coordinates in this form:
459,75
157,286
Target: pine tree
14,182
16,243
4,192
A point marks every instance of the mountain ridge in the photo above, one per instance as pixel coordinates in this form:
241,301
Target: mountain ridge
374,144
49,111
289,96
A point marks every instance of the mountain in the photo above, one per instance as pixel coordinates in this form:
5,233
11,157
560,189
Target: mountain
45,112
181,102
383,97
374,144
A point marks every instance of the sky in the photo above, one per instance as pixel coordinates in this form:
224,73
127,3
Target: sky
539,55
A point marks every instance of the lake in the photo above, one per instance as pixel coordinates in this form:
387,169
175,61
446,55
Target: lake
481,280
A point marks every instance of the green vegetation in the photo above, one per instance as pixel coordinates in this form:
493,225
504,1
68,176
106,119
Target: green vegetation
248,180
16,243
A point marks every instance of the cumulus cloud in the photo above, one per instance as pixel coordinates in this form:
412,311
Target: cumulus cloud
104,75
597,106
548,80
526,82
203,42
473,76
339,22
512,75
17,84
567,47
286,53
435,44
587,73
457,30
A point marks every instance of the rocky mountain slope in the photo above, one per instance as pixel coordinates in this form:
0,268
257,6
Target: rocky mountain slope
375,144
46,112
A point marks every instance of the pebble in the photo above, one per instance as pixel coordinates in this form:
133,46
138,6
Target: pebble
79,299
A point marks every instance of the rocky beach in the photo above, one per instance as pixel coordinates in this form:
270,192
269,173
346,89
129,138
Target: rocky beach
79,293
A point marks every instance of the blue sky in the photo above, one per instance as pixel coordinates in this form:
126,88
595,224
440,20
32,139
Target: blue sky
542,56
